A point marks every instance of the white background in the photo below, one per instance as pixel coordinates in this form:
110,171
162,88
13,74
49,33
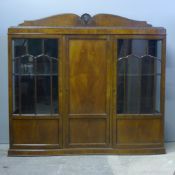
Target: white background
156,12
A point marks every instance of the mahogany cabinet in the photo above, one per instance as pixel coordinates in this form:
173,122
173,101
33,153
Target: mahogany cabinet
86,85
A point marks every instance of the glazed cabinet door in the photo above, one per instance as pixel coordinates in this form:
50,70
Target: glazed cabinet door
139,92
87,91
35,92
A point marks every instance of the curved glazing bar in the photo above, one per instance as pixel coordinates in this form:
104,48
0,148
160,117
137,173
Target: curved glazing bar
139,57
139,76
35,76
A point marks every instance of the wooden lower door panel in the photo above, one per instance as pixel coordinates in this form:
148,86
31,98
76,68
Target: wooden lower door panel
88,91
139,132
84,132
36,133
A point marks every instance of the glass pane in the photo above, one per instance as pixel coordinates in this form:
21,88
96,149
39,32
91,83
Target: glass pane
35,62
157,95
51,47
43,105
43,65
27,84
15,94
55,93
138,68
55,66
35,47
18,50
19,47
147,94
16,66
120,94
27,65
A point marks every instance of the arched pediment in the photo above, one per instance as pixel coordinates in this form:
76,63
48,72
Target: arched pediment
73,20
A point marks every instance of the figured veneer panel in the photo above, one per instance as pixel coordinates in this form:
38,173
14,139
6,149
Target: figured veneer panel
35,131
87,76
91,131
138,131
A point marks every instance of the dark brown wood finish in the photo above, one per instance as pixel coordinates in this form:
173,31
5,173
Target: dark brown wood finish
132,128
88,91
87,122
38,128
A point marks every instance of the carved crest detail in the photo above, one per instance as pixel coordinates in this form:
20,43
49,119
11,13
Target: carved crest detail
86,18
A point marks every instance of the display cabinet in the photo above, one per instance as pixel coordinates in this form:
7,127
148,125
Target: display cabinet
86,85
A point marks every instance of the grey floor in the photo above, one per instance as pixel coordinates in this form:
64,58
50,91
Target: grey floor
89,165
